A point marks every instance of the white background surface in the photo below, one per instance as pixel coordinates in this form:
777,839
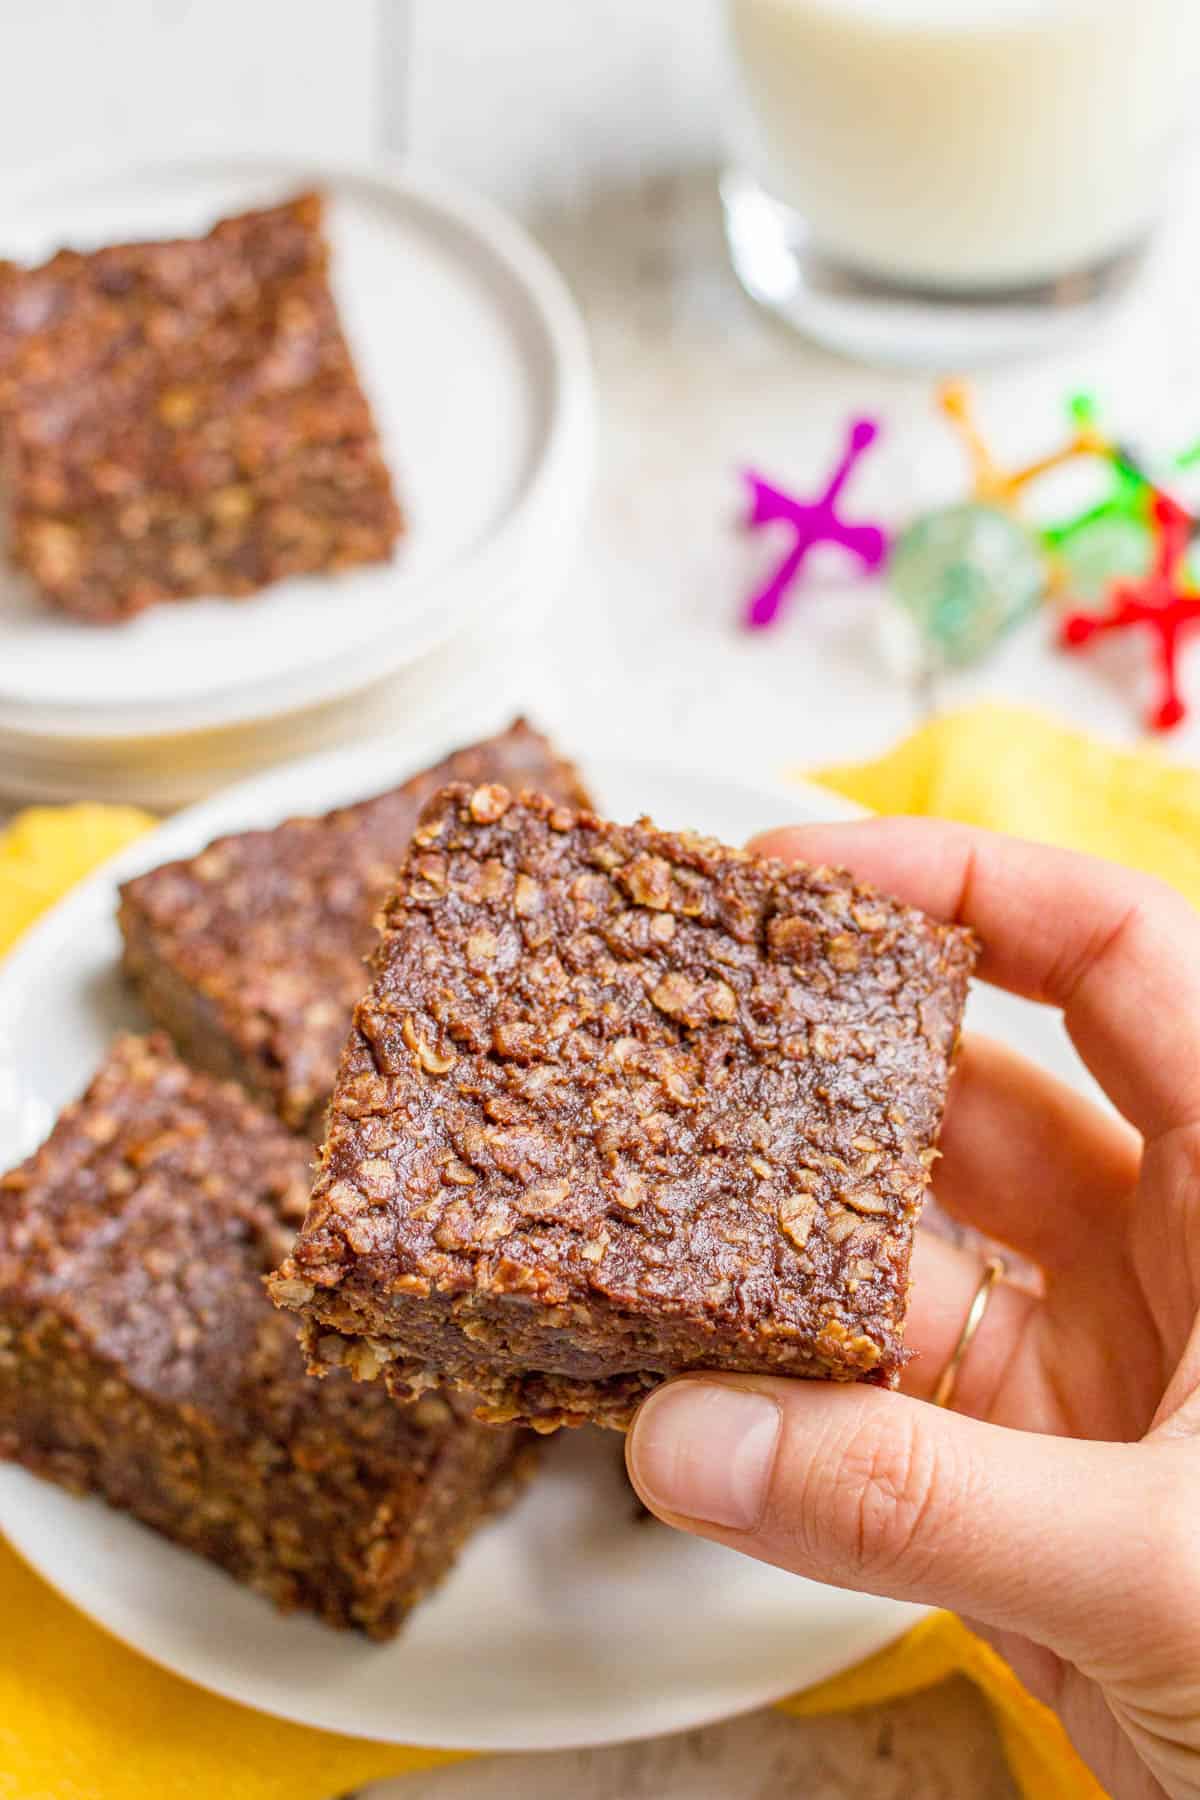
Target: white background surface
597,119
530,101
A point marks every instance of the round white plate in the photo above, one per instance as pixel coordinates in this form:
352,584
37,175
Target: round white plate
466,689
473,357
569,1622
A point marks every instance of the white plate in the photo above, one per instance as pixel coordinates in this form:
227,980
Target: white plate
483,676
474,360
568,1622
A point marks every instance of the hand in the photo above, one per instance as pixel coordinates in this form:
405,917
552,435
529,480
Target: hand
1057,1504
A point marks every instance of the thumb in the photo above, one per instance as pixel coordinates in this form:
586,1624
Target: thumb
867,1489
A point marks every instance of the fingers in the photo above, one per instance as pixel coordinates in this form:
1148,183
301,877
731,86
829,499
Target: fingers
871,1490
1031,1362
945,1282
1117,951
1031,1162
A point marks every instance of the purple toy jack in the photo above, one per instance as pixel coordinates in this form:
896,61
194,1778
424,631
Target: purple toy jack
814,522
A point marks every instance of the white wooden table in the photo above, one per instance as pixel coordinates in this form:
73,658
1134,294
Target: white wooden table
936,1746
692,384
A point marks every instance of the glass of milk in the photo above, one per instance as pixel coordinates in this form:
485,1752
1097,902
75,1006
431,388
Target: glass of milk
945,181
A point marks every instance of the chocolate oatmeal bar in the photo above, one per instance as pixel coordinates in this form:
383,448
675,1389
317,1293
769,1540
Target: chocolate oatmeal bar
185,418
140,1358
622,1103
251,954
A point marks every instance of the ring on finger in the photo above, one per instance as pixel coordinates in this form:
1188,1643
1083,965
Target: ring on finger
943,1393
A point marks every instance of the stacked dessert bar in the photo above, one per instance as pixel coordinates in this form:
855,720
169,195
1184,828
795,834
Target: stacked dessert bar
140,1357
251,954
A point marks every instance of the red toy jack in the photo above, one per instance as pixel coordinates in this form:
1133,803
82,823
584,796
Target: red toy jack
1162,601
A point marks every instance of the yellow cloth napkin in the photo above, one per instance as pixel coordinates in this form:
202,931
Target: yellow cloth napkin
83,1718
1020,771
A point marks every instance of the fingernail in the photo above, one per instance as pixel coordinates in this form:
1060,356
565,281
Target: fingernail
706,1450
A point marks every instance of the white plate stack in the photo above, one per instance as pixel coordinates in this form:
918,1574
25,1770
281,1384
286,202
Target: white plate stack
474,359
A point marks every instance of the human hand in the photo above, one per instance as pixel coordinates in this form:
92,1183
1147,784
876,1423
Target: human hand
1057,1504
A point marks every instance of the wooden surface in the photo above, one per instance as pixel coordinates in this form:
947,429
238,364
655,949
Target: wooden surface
935,1746
694,384
132,77
530,101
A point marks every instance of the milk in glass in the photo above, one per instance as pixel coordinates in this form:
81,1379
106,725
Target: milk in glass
966,144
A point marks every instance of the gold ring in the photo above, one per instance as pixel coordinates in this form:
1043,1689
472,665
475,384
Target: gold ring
992,1271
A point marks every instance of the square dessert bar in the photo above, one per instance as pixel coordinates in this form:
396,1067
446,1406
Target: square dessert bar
622,1103
251,954
140,1358
185,418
